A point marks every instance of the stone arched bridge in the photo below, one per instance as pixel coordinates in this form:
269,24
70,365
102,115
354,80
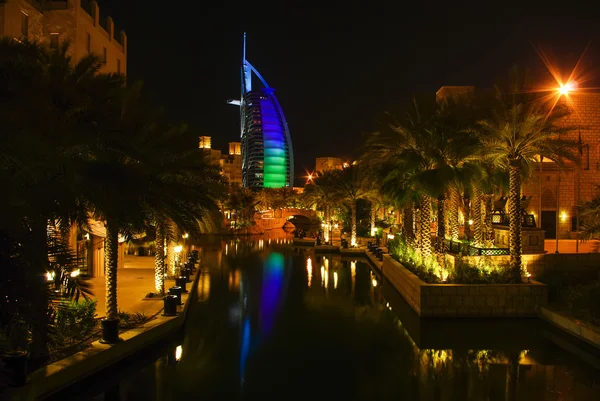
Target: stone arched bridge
286,213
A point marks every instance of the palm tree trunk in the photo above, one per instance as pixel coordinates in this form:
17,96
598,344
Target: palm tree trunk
159,261
418,228
453,214
373,215
477,220
467,217
111,255
514,221
40,299
425,217
353,237
441,226
408,222
489,209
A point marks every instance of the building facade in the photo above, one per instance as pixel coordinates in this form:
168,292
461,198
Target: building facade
554,196
266,146
230,164
328,163
80,24
77,22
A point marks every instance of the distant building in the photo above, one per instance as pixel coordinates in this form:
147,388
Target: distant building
230,164
266,147
78,22
235,148
328,163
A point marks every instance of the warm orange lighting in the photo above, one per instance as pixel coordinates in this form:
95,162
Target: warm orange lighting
566,88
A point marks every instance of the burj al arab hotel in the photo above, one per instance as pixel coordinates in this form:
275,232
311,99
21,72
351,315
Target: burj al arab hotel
267,155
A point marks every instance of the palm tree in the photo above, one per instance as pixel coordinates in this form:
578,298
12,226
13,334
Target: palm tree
49,105
423,157
320,193
513,140
350,185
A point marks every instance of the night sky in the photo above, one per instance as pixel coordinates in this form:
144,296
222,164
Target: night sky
338,68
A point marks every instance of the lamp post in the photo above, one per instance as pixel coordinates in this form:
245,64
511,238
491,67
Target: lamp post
177,249
185,254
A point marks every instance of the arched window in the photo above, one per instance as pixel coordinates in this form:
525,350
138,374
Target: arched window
548,199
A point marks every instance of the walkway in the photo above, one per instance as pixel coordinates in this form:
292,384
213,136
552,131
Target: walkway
135,281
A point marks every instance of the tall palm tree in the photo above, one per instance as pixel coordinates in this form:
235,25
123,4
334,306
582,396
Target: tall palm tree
426,155
513,140
350,185
49,106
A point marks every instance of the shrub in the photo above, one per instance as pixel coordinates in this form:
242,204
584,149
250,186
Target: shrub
75,321
436,269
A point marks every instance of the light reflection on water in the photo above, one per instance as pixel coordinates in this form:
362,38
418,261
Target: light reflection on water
262,325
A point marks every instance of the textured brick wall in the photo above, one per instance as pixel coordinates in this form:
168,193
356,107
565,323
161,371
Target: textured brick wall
586,114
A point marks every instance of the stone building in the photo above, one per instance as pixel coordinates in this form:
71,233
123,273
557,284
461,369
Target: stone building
230,164
78,22
563,190
81,24
556,210
328,163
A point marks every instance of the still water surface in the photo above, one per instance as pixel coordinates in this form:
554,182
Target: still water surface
273,322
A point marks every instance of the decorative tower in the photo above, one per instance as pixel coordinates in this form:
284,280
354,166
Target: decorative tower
267,155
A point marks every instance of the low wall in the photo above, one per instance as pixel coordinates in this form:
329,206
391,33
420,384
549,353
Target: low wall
61,374
465,300
579,266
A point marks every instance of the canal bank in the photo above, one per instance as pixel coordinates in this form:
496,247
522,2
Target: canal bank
52,378
271,312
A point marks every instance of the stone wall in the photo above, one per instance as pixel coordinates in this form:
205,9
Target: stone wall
575,265
575,184
465,300
533,238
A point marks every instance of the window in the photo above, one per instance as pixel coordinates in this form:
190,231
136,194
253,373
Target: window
24,25
88,44
118,66
54,40
104,55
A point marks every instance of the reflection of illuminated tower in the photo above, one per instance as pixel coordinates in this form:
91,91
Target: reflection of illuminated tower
267,156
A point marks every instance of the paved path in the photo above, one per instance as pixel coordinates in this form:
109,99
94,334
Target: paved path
135,281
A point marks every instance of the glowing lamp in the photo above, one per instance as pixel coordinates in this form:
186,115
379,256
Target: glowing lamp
178,353
177,248
566,88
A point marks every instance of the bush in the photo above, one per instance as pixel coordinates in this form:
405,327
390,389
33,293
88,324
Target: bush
75,321
437,269
128,320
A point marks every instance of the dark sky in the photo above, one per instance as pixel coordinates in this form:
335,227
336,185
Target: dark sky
338,67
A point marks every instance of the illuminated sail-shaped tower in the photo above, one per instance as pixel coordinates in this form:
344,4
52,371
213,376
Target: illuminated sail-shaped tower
267,156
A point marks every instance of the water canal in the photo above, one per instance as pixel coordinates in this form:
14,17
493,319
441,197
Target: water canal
271,321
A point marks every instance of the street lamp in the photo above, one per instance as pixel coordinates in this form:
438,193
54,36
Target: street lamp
566,88
185,236
177,249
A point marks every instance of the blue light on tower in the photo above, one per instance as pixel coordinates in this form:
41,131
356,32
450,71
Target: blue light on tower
267,155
